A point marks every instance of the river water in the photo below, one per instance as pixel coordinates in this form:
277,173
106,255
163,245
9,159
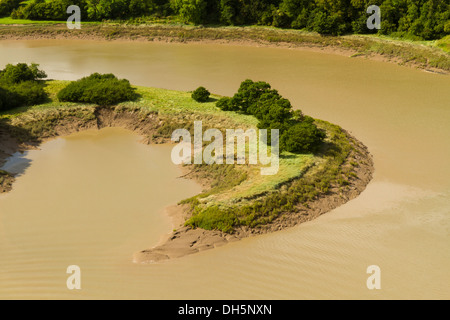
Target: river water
107,200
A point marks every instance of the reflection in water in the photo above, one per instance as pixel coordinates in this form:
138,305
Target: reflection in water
17,164
400,223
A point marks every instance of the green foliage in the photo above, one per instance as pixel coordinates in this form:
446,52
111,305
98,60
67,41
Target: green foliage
7,7
31,92
249,94
101,89
272,108
225,104
298,134
201,94
20,86
426,19
13,74
302,137
91,9
44,10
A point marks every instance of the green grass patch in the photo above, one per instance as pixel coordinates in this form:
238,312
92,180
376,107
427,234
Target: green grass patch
11,21
444,44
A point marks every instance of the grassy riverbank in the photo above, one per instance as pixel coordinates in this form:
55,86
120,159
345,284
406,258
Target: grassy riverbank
422,54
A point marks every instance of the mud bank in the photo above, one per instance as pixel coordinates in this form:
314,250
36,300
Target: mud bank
186,240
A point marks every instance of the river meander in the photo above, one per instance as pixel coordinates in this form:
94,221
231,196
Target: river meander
106,200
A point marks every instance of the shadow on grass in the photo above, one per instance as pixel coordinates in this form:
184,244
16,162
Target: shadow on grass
19,133
325,149
17,164
328,149
288,156
14,111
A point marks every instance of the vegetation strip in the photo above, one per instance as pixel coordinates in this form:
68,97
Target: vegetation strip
419,19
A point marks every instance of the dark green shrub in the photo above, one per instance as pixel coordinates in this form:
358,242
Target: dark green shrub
298,133
224,104
249,94
9,99
272,108
101,89
32,92
7,6
281,19
302,137
201,94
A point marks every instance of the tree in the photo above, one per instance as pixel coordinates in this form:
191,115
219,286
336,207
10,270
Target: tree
272,108
191,10
302,137
298,132
249,94
426,19
229,11
93,9
19,86
201,94
9,99
433,17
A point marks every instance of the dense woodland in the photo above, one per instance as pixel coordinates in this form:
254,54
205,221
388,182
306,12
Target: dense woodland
416,19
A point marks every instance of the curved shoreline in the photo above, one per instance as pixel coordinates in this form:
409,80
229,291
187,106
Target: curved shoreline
430,59
185,240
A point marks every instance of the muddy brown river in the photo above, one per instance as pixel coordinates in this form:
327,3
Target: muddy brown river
94,198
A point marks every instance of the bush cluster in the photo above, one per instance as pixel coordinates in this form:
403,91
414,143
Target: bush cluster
201,95
20,85
101,89
298,133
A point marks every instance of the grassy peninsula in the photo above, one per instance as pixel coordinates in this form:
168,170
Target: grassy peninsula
237,200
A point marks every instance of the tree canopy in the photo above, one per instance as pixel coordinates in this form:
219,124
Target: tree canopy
298,133
421,19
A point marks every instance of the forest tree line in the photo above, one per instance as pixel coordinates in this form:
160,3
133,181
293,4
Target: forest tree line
417,19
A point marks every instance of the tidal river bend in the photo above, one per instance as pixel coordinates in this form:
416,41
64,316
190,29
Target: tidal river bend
59,214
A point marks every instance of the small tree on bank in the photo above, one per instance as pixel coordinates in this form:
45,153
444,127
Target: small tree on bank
201,95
